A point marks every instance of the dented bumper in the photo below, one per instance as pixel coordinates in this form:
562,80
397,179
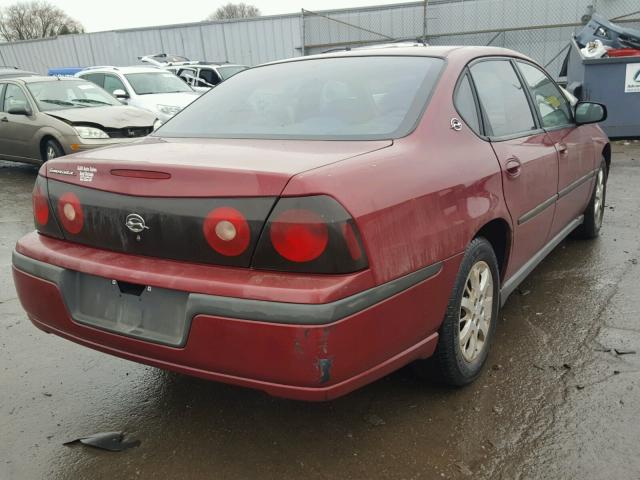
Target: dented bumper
305,351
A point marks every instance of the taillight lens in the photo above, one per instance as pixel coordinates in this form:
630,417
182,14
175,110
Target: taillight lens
40,206
227,231
310,234
70,213
44,219
299,235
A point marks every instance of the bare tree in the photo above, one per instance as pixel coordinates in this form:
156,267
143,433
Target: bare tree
234,10
35,19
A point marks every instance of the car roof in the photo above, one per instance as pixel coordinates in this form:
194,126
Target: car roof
459,53
204,65
14,72
123,70
45,78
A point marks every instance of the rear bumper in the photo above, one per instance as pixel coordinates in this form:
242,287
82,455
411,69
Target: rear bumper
305,351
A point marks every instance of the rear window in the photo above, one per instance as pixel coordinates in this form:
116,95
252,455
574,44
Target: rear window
336,98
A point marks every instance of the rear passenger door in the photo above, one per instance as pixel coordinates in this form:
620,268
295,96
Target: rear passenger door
576,155
527,156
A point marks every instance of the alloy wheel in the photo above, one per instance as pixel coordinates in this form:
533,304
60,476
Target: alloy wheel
598,204
51,152
476,310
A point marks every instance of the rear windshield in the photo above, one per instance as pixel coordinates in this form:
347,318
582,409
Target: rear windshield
336,98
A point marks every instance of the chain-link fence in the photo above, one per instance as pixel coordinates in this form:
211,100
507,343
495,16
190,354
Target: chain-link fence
540,29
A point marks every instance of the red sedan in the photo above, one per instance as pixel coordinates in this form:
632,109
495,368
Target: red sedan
311,225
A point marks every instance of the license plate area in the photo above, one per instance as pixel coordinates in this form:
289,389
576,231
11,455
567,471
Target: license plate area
148,313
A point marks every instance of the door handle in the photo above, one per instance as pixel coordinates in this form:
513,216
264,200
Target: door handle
563,150
513,167
4,119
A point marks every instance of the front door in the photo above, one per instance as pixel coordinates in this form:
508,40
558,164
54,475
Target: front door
576,153
527,156
18,131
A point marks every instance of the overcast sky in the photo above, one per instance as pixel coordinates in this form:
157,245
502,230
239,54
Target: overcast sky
115,14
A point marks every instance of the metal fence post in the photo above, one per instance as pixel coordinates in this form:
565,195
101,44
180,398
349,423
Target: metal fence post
302,32
424,22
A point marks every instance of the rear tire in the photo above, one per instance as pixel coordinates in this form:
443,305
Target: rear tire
468,328
594,212
51,149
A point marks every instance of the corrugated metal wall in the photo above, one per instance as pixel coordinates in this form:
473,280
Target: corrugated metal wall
254,41
250,42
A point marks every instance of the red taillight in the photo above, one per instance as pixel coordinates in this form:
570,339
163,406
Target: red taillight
227,231
299,235
70,213
40,206
312,234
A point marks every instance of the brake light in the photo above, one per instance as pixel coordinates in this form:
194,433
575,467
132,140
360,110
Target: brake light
70,213
299,235
310,234
40,206
227,231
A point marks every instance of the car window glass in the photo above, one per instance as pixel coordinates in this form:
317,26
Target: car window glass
331,98
188,75
2,86
65,94
156,82
209,76
97,78
466,104
113,83
502,98
14,97
551,103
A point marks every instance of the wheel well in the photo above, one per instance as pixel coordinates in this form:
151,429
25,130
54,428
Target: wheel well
44,141
498,234
606,153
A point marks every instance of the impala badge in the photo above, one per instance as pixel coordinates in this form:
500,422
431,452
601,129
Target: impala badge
135,223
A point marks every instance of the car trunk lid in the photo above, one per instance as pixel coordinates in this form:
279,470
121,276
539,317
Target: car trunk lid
203,167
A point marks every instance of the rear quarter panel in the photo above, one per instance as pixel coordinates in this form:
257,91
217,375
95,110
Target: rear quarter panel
421,200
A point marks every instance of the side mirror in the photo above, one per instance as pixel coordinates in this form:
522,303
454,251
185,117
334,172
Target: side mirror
590,112
120,94
23,110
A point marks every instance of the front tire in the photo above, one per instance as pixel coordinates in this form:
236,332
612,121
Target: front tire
594,212
468,328
51,149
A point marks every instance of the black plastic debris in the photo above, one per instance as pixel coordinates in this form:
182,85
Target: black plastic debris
620,351
111,441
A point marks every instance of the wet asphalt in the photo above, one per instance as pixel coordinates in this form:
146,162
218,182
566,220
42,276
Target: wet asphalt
556,401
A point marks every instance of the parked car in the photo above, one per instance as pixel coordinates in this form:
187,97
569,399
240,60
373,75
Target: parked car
204,76
152,89
42,118
12,72
311,225
201,76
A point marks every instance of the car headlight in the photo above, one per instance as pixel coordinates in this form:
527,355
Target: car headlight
169,109
157,124
90,132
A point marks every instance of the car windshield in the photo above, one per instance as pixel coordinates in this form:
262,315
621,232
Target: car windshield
228,72
327,98
156,82
65,94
